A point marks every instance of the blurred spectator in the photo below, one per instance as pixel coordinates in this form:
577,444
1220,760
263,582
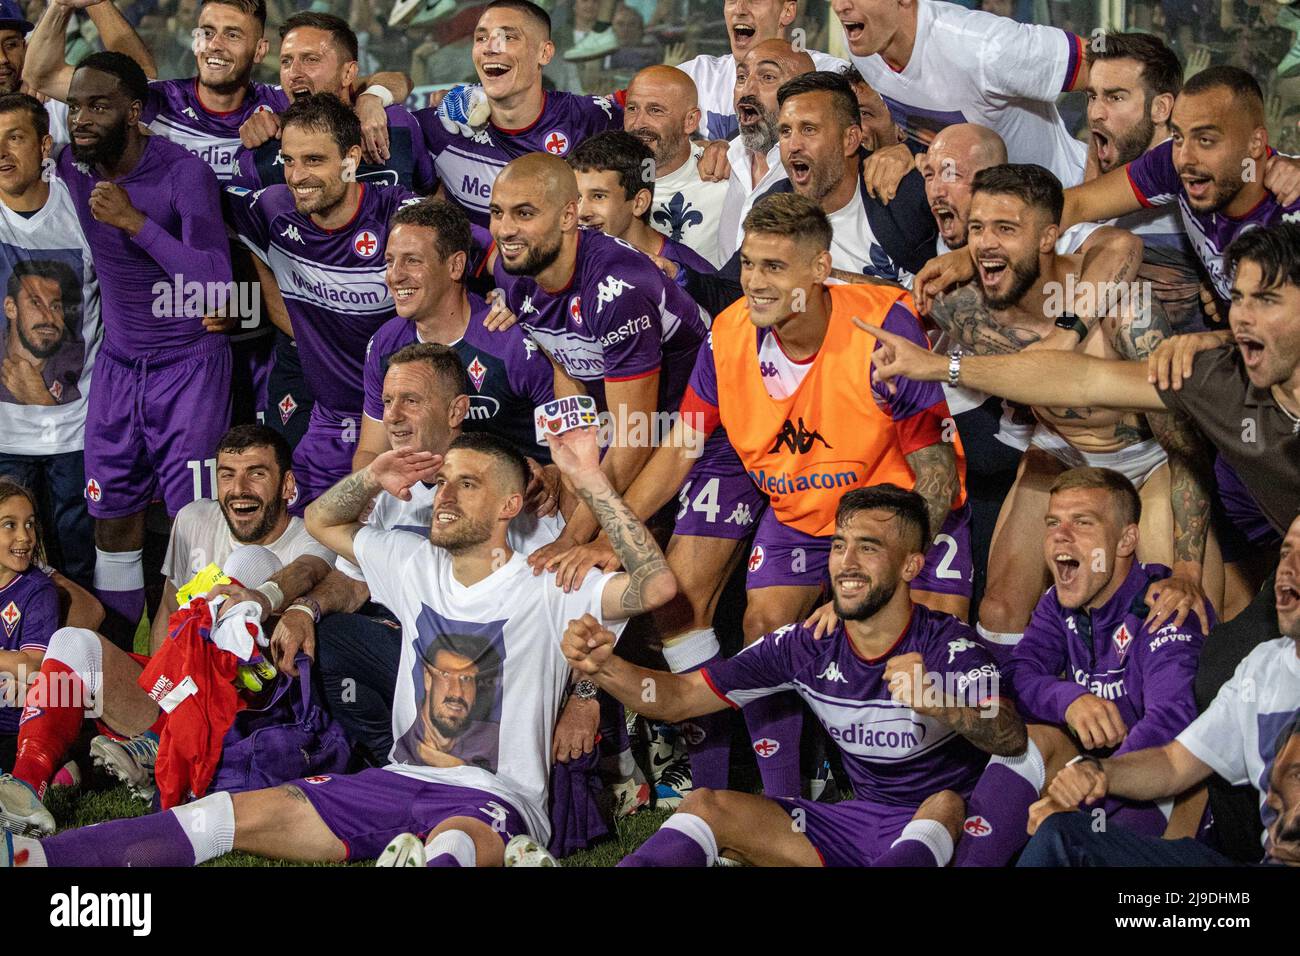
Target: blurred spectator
635,50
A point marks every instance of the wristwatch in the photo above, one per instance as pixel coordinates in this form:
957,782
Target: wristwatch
1074,324
585,690
954,366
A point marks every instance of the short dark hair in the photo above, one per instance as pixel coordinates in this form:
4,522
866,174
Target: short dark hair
1232,78
324,113
336,27
533,11
789,214
615,151
120,65
243,437
60,272
824,81
1033,185
907,506
494,446
1161,71
487,660
1125,497
1275,249
254,8
853,75
447,219
442,359
34,108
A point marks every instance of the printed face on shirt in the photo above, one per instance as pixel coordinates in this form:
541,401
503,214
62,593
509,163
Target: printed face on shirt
253,494
100,115
1085,536
869,25
227,45
451,691
657,114
1214,136
878,127
1119,116
1007,236
13,51
1284,799
872,551
18,534
471,502
1286,588
1263,322
21,152
35,314
779,275
416,275
816,147
510,49
603,203
313,169
527,224
419,411
750,22
311,61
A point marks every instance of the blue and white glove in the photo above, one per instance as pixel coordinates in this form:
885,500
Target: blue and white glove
465,110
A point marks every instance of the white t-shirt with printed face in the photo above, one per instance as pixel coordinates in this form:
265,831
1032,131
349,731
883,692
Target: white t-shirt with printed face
689,210
200,536
482,675
1237,736
969,66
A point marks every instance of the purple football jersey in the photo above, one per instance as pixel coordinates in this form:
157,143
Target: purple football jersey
508,375
468,166
1109,653
1156,182
891,753
686,258
332,282
174,110
182,245
29,614
618,318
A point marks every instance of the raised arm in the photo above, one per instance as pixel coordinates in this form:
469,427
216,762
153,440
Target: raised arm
1106,197
45,69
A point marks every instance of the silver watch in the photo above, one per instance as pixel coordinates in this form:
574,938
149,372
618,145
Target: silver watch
585,690
954,366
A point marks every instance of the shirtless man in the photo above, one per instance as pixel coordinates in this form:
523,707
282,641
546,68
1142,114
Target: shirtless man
1016,302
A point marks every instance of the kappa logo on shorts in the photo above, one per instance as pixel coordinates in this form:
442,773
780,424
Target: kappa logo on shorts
316,780
287,407
766,747
93,491
1122,639
756,557
11,616
977,826
365,243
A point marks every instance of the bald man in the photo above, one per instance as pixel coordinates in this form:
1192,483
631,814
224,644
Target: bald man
662,110
957,153
755,156
512,43
616,326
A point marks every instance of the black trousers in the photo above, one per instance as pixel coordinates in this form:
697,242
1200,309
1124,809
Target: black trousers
357,656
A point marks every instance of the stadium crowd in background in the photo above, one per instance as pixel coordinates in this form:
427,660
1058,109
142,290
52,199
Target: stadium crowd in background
372,369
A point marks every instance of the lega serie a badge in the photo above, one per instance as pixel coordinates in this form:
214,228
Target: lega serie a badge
564,414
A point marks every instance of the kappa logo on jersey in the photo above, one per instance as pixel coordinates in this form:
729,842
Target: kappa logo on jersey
575,310
365,243
189,111
477,373
604,103
530,348
768,369
287,407
609,290
957,646
1291,216
291,232
527,308
93,490
833,673
756,557
1122,639
557,144
977,826
797,441
766,747
11,616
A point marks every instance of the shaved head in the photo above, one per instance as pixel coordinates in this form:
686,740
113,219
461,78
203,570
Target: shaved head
662,110
792,62
668,79
534,213
957,153
765,68
549,179
978,145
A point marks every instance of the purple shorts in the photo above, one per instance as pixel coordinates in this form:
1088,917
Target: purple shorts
1242,527
784,557
152,427
718,499
324,455
366,810
848,833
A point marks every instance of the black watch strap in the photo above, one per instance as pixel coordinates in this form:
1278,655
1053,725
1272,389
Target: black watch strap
1074,324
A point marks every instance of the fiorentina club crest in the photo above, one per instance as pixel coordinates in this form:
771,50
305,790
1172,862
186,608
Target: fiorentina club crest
977,826
1122,639
365,243
575,310
477,372
11,616
262,108
93,490
766,747
557,144
756,557
287,407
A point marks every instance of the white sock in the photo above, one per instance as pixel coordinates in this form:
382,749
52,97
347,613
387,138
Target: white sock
691,650
119,570
80,651
456,842
933,834
35,852
698,830
210,825
1028,765
1007,639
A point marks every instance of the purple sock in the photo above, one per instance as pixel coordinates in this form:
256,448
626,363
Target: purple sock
775,723
127,604
708,742
922,843
683,840
155,840
998,811
443,859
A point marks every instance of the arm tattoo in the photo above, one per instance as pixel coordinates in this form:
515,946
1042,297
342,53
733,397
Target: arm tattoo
967,320
634,545
995,730
935,468
344,503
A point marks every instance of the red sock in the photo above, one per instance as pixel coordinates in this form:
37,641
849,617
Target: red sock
55,708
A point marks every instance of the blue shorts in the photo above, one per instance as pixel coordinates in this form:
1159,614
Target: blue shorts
366,810
848,833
